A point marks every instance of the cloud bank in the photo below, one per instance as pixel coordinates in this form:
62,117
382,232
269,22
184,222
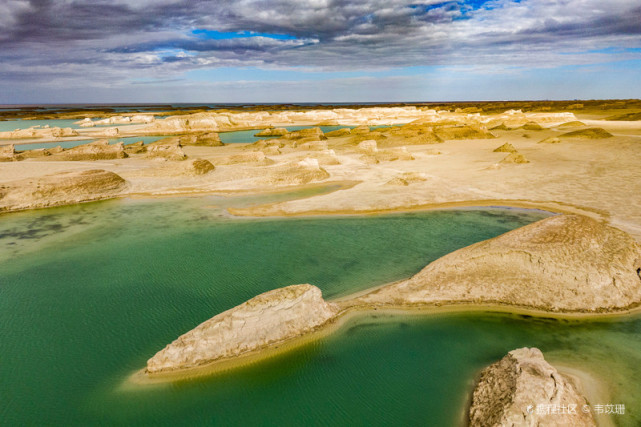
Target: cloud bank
76,44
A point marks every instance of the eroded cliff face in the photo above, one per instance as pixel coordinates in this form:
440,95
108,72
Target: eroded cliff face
272,317
563,263
522,389
60,189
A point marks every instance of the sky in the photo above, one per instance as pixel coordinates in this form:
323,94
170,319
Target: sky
211,51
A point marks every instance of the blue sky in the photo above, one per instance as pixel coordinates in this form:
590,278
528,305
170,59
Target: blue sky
61,51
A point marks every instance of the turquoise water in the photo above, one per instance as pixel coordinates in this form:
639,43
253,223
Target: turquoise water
247,136
71,144
11,125
88,293
242,136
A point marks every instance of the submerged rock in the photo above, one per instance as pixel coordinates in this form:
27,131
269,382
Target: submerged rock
265,320
510,390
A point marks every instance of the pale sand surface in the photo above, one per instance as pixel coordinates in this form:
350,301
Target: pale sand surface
598,177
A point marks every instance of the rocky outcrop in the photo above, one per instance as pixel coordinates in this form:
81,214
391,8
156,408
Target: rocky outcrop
327,158
251,157
407,178
505,148
8,153
550,140
97,150
272,132
313,145
60,189
207,139
368,146
360,130
119,120
532,126
297,173
38,132
387,156
39,153
565,263
268,319
136,148
311,134
167,151
462,132
515,157
415,133
521,389
590,133
571,125
338,133
200,167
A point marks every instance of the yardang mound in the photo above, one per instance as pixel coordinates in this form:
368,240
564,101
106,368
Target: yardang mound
510,390
267,319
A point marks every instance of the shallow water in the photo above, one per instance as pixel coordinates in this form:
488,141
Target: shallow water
11,125
234,137
88,293
247,136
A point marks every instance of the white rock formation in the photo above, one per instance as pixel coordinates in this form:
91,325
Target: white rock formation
565,263
368,146
522,389
273,317
60,189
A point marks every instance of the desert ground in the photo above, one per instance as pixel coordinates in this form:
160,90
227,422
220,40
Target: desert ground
578,158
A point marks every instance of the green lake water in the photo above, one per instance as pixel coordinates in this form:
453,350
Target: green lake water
89,292
11,125
234,137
